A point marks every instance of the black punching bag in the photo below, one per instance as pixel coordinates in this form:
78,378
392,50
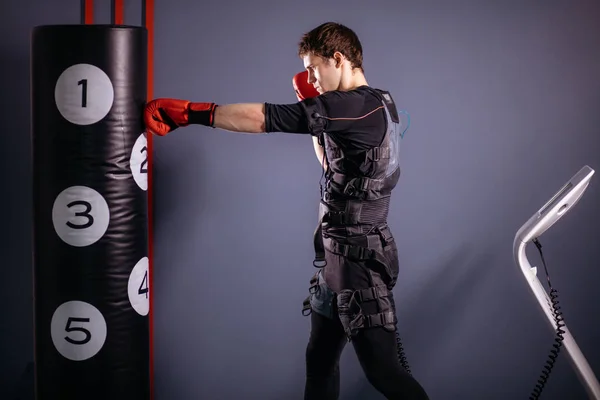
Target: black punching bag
90,242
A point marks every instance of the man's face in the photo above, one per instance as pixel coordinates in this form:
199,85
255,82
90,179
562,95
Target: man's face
322,73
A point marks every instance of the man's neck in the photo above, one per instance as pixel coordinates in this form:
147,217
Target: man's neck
354,80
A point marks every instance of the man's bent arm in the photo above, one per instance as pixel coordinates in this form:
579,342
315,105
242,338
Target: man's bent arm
241,117
319,151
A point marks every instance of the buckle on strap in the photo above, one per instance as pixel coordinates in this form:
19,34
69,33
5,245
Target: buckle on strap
335,217
372,293
386,234
314,285
378,153
306,308
379,319
349,215
360,185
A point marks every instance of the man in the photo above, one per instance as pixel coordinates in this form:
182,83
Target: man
356,134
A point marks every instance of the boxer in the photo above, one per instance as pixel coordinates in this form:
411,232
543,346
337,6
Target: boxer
356,133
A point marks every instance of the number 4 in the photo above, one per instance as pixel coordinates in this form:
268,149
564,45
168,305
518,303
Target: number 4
144,289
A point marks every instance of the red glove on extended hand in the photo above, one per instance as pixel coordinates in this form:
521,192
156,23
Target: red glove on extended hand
304,90
162,116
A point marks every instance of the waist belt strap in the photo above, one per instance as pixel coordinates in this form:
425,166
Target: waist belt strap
350,215
352,252
356,187
351,212
360,186
359,253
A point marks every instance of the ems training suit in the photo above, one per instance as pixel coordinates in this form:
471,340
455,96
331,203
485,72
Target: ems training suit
350,295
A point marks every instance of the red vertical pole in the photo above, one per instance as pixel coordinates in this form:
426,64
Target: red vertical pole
148,16
118,14
88,11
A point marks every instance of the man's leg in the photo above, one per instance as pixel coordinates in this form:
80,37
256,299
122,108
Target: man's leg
376,349
327,340
368,313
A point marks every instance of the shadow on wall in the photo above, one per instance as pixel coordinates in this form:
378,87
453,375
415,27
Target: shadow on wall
453,287
178,169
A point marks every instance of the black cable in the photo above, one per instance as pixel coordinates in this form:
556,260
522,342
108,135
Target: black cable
401,355
559,332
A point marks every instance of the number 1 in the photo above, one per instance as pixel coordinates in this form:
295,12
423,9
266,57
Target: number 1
83,84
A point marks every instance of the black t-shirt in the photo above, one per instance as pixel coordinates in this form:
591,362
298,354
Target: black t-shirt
356,119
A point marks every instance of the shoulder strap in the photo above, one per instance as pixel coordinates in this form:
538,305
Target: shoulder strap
390,104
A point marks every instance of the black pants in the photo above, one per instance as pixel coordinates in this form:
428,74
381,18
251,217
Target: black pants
376,349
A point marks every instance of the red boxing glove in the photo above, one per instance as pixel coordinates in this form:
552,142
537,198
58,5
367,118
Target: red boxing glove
162,116
303,89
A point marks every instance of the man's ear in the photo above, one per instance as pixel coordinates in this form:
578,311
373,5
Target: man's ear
338,58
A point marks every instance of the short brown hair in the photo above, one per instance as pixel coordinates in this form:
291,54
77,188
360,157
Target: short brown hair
327,38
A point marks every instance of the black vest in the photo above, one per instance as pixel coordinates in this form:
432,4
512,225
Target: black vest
359,182
356,197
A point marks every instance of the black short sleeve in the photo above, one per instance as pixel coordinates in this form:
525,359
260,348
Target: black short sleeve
288,118
356,117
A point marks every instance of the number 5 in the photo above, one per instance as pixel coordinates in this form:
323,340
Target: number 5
70,328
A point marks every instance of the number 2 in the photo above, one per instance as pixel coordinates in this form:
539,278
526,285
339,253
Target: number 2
144,289
83,84
70,328
86,213
143,169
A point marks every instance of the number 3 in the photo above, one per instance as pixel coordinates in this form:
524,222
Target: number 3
86,213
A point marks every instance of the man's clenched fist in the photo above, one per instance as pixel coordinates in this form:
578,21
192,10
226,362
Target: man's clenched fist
162,116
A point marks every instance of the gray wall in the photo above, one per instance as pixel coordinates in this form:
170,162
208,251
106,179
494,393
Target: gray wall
503,101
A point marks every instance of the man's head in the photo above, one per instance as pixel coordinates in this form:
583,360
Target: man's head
332,55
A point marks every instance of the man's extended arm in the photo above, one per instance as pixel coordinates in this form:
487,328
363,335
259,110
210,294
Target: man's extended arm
241,117
162,116
250,118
